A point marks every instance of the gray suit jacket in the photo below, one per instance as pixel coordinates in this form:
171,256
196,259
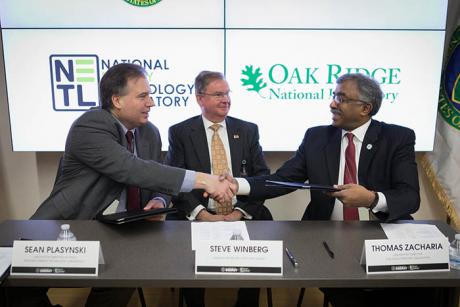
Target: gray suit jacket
96,166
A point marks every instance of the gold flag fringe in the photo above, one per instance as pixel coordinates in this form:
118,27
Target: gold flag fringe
440,193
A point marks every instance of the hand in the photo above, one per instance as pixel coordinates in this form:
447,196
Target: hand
233,182
204,215
236,215
154,204
219,190
354,195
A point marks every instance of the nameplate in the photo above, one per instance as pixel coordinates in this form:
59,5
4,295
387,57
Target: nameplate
51,258
406,256
239,257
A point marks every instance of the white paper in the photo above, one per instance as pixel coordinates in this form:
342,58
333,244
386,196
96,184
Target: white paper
218,231
411,231
5,259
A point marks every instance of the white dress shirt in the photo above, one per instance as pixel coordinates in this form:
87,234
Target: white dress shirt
224,137
358,138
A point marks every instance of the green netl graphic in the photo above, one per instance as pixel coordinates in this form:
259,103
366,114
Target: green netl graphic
254,80
86,79
84,62
85,70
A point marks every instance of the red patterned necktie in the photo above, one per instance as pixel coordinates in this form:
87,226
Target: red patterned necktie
349,176
132,192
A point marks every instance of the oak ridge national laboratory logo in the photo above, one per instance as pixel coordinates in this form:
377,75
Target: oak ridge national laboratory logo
449,97
142,3
74,81
282,82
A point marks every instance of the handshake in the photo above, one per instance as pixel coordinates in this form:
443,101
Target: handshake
220,188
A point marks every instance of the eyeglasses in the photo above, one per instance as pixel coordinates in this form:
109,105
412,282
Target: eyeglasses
218,95
341,98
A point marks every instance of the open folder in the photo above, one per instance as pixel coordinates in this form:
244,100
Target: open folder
131,216
299,185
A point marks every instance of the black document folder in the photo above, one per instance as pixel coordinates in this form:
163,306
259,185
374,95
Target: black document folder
300,185
131,216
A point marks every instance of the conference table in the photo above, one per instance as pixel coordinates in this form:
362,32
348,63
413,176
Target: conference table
158,254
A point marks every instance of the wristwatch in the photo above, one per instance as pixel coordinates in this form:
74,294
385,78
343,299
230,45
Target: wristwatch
375,202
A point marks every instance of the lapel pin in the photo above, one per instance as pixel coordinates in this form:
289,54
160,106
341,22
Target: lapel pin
369,146
236,136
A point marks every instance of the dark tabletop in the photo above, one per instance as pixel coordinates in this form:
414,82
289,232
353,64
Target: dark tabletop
158,254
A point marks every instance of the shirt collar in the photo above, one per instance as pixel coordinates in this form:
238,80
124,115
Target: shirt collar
207,123
359,132
124,128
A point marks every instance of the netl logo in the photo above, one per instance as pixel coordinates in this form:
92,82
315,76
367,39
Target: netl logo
74,81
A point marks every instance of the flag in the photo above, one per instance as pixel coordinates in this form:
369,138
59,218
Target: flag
442,165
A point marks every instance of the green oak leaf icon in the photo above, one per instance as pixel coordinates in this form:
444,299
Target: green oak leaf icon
254,80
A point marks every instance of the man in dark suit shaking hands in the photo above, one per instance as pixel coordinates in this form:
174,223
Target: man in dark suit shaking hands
214,142
372,164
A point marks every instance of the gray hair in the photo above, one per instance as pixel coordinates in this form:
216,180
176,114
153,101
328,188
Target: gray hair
204,78
369,89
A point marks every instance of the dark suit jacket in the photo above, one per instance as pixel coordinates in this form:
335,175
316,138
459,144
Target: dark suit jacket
188,148
96,166
387,164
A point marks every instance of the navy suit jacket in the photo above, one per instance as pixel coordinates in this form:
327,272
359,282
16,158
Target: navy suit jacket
188,148
387,164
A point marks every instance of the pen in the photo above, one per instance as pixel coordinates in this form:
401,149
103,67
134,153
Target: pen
328,250
291,258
